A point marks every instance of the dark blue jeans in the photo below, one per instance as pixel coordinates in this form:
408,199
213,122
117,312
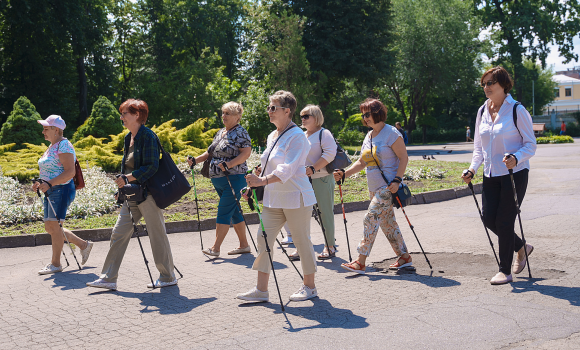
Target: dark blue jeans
500,212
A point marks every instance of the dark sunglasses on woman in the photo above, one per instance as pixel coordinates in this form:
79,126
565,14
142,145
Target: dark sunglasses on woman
305,116
488,83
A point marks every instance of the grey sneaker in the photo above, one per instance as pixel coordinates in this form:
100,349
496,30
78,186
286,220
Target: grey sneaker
85,252
50,268
500,278
161,284
100,283
304,293
254,294
240,251
210,252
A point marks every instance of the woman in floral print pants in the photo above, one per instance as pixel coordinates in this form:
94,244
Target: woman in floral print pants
384,153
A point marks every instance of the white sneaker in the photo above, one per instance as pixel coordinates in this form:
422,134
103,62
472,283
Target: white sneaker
50,268
100,283
240,251
210,252
85,252
161,284
287,240
500,278
304,293
254,294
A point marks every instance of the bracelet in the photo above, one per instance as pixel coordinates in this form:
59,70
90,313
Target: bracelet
399,178
312,168
396,180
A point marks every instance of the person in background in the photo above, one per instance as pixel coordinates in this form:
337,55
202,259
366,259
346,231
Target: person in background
563,128
468,135
402,132
57,169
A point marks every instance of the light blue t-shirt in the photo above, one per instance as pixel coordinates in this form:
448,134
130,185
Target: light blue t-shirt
383,153
49,164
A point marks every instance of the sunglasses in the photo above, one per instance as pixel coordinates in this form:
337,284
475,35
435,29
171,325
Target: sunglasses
273,108
488,83
366,115
305,116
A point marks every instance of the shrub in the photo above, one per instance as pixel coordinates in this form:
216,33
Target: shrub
554,139
21,125
351,137
103,121
439,135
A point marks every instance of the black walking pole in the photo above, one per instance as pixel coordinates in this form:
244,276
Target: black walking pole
412,229
255,200
39,196
470,185
227,173
519,217
196,202
340,182
60,225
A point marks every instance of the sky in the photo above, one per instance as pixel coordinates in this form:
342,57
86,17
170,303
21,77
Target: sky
557,61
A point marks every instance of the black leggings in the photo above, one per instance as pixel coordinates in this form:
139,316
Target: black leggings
499,213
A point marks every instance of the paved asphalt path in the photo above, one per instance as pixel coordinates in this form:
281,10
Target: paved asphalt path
417,310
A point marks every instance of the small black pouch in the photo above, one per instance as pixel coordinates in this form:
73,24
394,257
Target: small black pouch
404,194
133,193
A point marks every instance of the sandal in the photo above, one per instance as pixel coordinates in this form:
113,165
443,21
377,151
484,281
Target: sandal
327,253
397,265
294,256
354,266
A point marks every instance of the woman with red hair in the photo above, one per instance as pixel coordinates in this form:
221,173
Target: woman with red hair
140,163
384,153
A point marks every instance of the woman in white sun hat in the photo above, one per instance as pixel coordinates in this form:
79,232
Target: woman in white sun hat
57,169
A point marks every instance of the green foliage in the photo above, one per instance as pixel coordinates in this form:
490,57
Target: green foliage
104,121
22,163
351,137
255,119
554,139
22,125
436,55
440,135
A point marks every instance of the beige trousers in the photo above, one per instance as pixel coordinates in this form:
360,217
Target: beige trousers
123,231
299,224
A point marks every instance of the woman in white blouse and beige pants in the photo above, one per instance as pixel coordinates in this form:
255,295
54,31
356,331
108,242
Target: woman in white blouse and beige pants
288,197
500,145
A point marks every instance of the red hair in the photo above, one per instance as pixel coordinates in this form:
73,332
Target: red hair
138,107
376,108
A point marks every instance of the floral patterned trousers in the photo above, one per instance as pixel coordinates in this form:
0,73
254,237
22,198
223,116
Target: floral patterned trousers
381,214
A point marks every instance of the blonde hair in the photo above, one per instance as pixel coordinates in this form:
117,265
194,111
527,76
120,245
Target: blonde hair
314,111
234,108
59,131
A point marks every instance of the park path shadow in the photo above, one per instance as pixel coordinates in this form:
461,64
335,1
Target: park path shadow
571,294
168,301
321,311
72,279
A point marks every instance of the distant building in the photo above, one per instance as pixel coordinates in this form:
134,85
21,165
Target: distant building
567,94
571,72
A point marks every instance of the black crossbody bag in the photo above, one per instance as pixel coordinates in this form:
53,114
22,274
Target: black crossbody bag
340,161
404,192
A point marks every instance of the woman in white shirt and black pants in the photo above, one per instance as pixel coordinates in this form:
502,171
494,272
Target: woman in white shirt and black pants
288,197
500,144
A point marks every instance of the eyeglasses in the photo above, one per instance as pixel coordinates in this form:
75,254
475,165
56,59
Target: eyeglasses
366,115
273,108
305,116
488,83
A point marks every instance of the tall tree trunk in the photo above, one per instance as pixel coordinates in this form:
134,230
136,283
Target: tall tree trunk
424,134
83,90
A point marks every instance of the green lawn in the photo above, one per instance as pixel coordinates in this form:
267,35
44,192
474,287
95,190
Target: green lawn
354,189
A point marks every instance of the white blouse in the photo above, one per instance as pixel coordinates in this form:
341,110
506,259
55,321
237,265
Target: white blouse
287,162
316,150
493,139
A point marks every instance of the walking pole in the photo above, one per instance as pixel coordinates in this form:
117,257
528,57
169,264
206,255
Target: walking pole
61,228
227,173
340,182
412,229
511,171
39,196
147,234
255,200
470,185
196,202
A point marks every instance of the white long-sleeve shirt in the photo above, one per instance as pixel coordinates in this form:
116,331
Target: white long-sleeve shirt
287,162
493,139
316,150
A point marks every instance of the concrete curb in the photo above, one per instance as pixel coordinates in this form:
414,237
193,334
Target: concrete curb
104,234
